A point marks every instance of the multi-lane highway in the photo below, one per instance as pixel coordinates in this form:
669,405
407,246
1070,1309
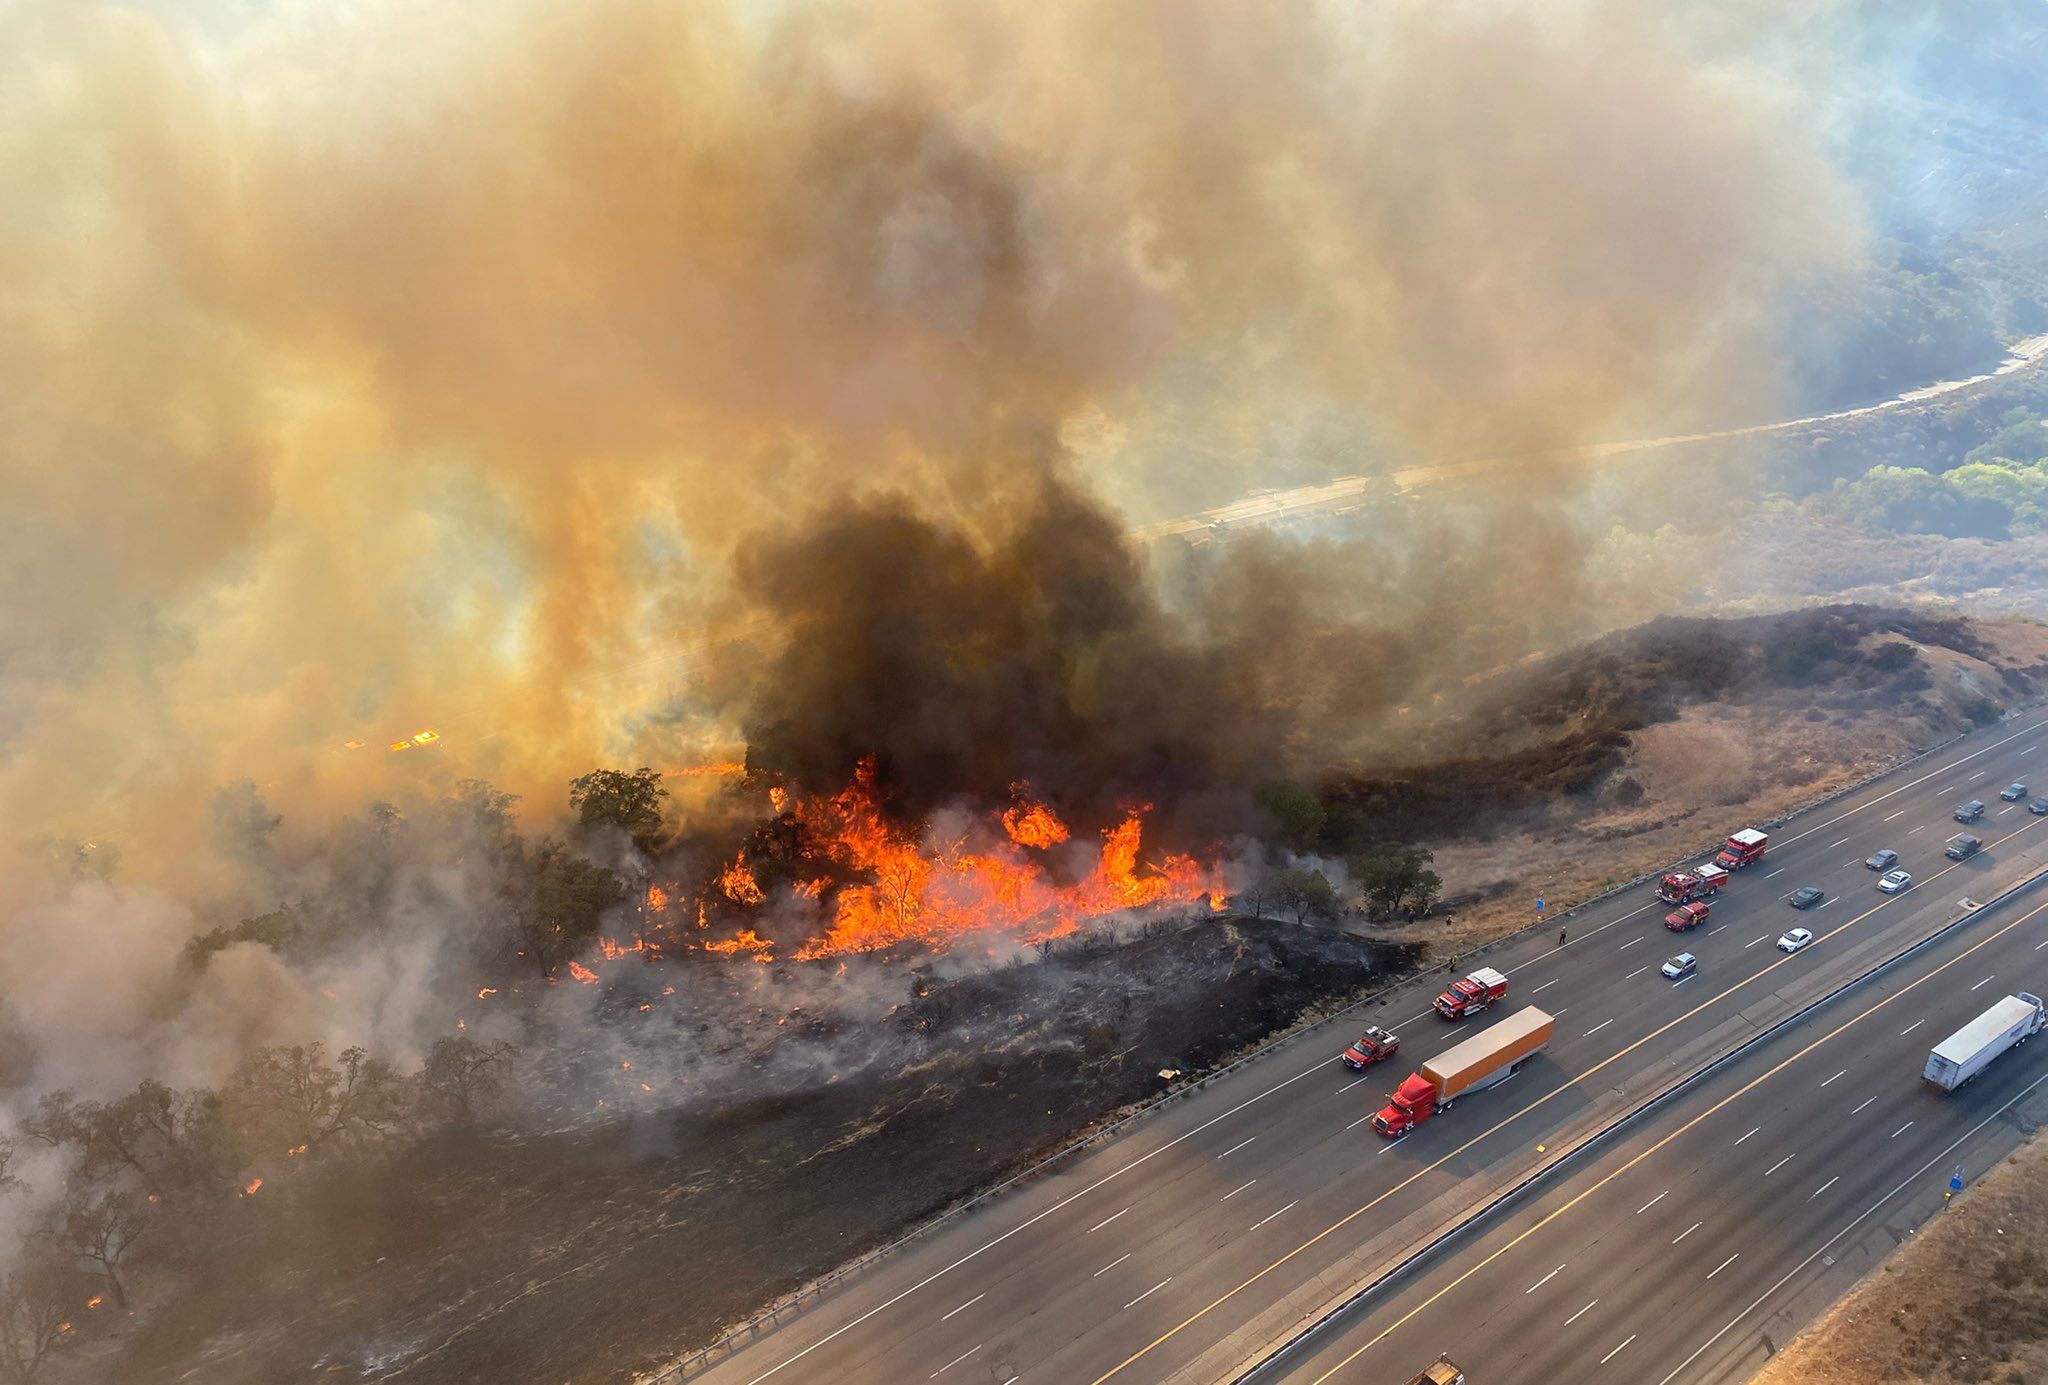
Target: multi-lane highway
1726,1218
1185,1249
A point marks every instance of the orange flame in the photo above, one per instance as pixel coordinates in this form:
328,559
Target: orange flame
737,882
778,797
940,894
295,1150
94,1301
1034,824
583,973
253,1185
720,770
747,941
657,898
64,1327
482,992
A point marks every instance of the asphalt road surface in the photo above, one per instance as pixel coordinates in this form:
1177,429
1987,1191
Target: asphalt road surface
1210,1232
1729,1217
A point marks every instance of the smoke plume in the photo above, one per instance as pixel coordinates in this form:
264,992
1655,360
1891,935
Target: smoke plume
588,383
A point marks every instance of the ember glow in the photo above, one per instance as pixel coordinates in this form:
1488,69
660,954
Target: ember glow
249,1189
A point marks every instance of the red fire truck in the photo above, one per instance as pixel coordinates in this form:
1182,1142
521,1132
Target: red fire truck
1744,848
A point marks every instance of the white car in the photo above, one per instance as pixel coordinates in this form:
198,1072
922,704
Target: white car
1894,880
1796,939
1680,967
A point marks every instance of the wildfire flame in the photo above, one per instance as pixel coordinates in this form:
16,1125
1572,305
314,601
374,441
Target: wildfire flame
296,1150
583,973
1034,824
940,894
747,941
657,899
249,1190
737,882
485,991
94,1301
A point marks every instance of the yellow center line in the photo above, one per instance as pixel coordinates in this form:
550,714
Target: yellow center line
1718,1106
1508,1120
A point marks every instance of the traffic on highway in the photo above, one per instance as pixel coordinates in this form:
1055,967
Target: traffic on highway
1209,1232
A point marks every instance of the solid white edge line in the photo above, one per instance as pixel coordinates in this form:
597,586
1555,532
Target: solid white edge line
1861,1217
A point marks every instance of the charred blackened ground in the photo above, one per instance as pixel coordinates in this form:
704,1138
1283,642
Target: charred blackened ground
582,1255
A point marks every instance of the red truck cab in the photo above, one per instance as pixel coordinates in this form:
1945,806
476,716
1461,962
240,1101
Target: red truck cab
1687,917
1412,1103
1470,994
1744,848
1375,1045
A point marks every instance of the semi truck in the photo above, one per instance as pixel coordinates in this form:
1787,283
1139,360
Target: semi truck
1470,994
1492,1056
1971,1049
1687,917
1684,886
1744,848
1442,1371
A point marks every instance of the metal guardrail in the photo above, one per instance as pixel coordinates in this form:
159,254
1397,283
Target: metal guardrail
771,1317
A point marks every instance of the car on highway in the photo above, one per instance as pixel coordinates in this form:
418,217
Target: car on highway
2013,793
2039,807
1970,811
1882,860
1894,880
1680,967
1443,1371
1806,896
1962,846
1375,1045
1796,939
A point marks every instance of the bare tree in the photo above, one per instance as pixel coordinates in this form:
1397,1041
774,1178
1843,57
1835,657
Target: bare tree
463,1072
100,1223
36,1302
295,1101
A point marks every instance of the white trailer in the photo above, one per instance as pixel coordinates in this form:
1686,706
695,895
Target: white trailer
1970,1050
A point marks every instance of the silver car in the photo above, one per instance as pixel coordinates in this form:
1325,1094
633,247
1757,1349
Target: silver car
1894,881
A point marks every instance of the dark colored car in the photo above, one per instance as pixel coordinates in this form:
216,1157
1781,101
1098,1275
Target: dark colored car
1970,811
1882,860
2013,793
2039,807
1806,896
1962,846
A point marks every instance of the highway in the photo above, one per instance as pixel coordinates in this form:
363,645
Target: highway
1735,1212
1210,1231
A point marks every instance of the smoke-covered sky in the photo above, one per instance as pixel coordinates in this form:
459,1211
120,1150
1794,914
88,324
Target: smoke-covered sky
493,369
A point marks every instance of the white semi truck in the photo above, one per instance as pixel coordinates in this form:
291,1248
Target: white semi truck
1971,1049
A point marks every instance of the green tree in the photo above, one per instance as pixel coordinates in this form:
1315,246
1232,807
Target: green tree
1390,874
566,904
1297,814
1303,893
613,798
